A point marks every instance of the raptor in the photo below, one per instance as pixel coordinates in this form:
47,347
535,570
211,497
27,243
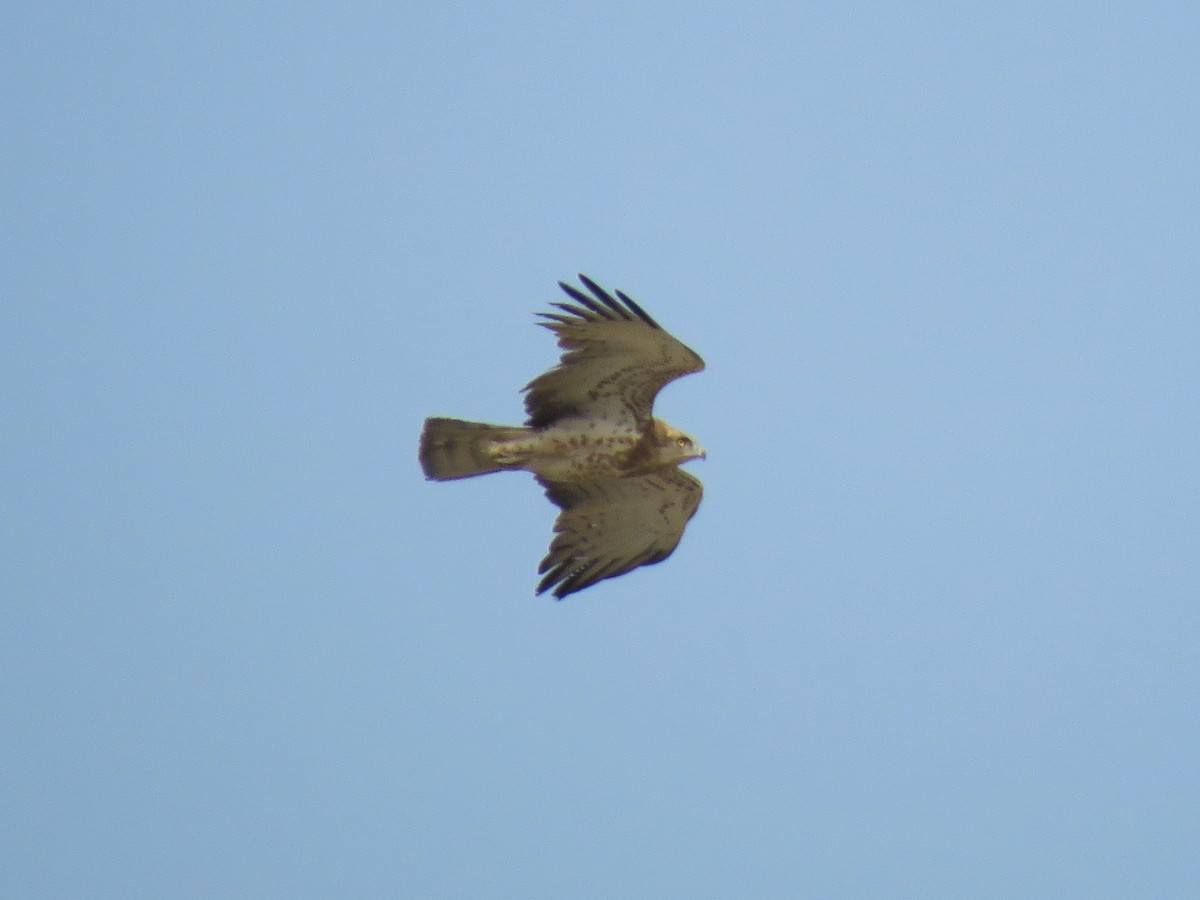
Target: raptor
591,440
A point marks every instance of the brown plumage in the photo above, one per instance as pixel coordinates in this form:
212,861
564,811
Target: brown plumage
592,441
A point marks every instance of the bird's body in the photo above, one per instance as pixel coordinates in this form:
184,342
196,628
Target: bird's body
592,442
572,450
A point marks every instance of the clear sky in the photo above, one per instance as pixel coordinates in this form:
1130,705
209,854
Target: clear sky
934,630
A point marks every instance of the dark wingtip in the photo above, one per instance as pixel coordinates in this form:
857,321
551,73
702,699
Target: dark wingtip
623,305
556,577
641,313
604,297
603,308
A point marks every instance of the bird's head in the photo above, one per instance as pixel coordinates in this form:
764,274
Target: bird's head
674,446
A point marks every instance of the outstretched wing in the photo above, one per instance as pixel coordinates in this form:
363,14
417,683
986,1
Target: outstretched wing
611,525
615,360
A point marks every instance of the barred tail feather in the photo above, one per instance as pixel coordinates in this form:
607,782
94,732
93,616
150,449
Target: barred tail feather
452,448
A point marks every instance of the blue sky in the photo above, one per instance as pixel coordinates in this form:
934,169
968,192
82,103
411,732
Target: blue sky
933,631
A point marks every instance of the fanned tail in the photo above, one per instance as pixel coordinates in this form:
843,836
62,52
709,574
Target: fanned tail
452,448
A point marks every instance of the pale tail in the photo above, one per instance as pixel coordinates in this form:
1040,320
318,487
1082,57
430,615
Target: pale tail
452,448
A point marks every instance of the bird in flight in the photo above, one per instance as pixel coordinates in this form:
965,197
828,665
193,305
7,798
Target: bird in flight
592,442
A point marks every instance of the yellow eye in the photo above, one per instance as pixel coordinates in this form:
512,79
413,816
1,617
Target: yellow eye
683,442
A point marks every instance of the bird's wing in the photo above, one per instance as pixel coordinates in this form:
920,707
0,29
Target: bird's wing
612,525
615,360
